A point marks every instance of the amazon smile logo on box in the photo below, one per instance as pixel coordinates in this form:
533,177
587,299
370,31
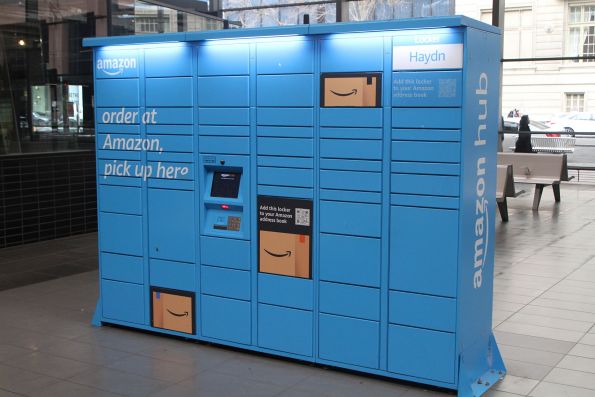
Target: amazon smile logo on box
115,66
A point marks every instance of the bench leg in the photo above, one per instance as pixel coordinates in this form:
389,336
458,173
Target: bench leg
503,208
556,188
537,196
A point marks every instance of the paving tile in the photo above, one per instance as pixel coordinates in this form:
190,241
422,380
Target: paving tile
581,350
119,382
582,307
546,389
527,370
572,378
7,352
578,364
65,388
267,370
551,322
530,355
498,393
516,385
215,384
558,313
87,353
23,381
48,364
339,384
540,331
588,339
152,368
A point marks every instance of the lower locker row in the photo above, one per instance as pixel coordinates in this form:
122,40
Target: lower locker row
343,340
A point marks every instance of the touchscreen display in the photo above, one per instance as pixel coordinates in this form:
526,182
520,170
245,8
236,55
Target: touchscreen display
226,184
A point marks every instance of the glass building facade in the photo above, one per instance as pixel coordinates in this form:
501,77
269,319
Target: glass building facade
47,134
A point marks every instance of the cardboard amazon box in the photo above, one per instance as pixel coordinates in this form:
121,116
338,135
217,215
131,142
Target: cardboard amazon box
284,253
173,311
351,91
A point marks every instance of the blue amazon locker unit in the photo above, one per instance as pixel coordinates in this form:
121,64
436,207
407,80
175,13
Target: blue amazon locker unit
319,192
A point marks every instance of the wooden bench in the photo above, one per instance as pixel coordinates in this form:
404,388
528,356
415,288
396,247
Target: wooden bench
504,189
539,169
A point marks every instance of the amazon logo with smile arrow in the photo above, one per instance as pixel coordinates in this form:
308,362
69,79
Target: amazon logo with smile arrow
286,254
353,92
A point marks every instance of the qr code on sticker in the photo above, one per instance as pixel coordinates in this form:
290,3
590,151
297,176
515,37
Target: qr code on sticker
447,88
302,217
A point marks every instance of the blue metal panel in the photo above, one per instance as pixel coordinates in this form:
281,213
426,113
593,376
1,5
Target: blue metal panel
350,218
172,228
227,130
414,310
223,252
438,152
116,168
125,200
133,129
291,56
350,132
295,147
438,229
350,117
171,143
111,63
297,117
168,274
120,181
121,234
350,165
285,291
351,195
437,185
351,180
295,177
225,319
351,260
437,88
285,90
222,116
117,154
349,340
226,283
421,353
227,91
351,55
173,115
224,145
124,268
284,329
173,60
170,184
413,200
223,59
351,149
286,162
123,301
286,191
434,118
350,300
426,135
169,129
404,167
285,132
171,157
169,91
116,92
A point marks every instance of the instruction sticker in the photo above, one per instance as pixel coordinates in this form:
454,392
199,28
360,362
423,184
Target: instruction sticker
284,236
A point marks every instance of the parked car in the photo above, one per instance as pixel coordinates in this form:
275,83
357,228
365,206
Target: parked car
574,122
